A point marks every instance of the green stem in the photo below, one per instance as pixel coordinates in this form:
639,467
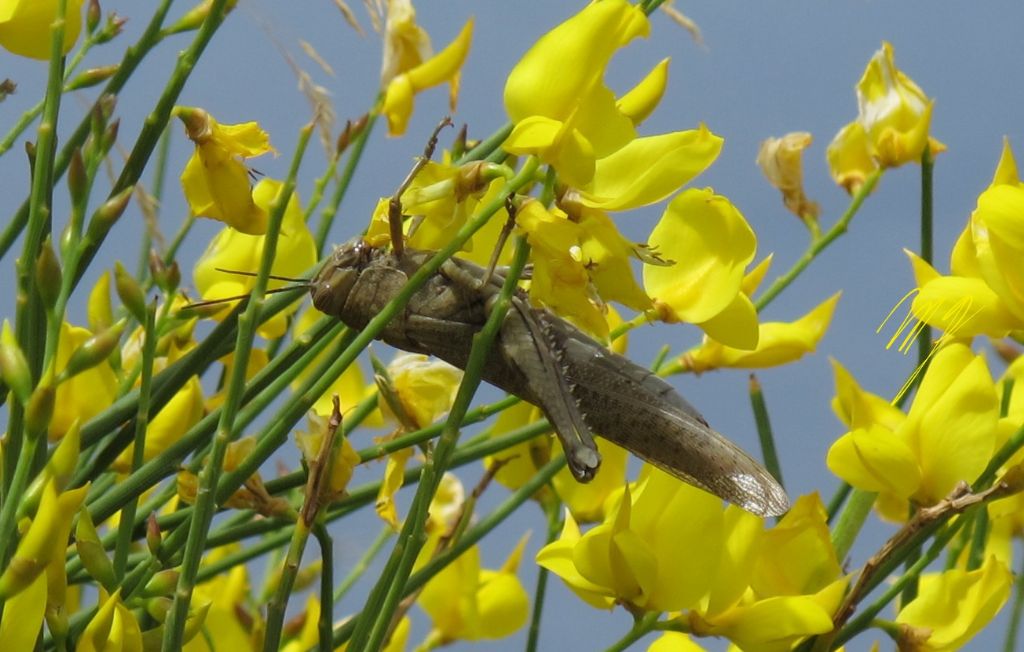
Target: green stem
553,509
838,499
642,627
764,430
276,607
1013,627
851,520
325,622
127,521
227,429
389,589
159,176
820,244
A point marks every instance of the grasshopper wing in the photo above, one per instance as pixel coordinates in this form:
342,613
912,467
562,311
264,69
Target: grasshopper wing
639,411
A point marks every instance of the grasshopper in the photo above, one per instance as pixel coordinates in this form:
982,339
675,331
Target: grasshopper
580,385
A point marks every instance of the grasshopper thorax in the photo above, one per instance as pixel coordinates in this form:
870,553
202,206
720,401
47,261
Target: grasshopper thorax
333,283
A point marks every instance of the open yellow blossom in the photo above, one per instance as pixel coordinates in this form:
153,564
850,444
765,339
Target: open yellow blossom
711,244
215,181
894,119
84,395
425,387
25,26
406,44
113,628
778,343
984,293
309,445
947,437
227,595
470,603
235,250
442,67
952,606
564,114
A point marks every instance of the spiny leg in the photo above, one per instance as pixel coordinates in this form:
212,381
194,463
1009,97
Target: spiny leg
395,205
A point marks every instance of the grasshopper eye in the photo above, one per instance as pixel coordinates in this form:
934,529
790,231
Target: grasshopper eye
330,289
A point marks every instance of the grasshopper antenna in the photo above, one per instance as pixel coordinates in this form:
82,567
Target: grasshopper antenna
275,277
238,297
506,230
395,205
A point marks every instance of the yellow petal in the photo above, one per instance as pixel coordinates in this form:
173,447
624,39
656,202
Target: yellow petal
849,159
858,408
711,243
20,629
86,394
25,26
646,170
874,459
641,100
781,161
797,555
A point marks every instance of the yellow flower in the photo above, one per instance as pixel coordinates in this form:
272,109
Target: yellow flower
309,444
781,161
984,294
470,603
778,343
235,250
406,44
443,67
947,437
20,630
951,607
113,628
711,244
646,170
795,582
215,181
562,111
227,595
674,642
425,387
894,119
25,26
86,394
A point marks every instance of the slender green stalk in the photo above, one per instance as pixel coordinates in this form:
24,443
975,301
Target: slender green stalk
843,492
553,510
355,155
820,244
159,176
642,627
851,519
764,430
278,604
1013,627
127,522
473,535
976,554
227,428
325,624
389,589
363,564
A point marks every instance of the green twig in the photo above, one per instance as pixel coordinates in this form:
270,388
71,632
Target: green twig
1013,627
553,510
355,155
764,430
363,564
642,627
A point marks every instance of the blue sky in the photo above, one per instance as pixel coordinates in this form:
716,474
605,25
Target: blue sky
765,69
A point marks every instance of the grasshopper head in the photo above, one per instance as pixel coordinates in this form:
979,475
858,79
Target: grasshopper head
331,286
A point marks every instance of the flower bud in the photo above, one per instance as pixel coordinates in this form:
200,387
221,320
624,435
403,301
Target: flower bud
93,13
194,17
90,551
93,351
110,135
111,28
78,179
13,366
39,410
167,277
153,539
158,608
91,77
106,215
131,294
163,583
48,274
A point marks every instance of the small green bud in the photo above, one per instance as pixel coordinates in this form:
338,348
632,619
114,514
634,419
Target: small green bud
153,538
91,77
13,365
167,277
107,215
162,583
48,274
78,178
93,13
113,27
130,292
110,135
90,551
39,411
159,607
93,351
